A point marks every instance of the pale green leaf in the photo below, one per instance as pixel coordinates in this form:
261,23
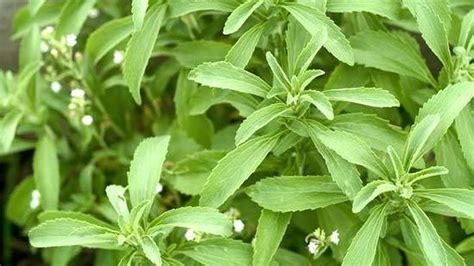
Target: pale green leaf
226,76
259,119
52,215
467,29
434,22
116,196
8,125
369,192
426,173
240,54
199,219
139,8
391,52
192,54
353,150
416,144
182,7
72,17
312,20
219,251
430,240
460,200
72,232
35,5
375,97
139,49
225,180
238,17
107,36
145,168
389,8
46,173
278,72
320,101
296,193
151,250
464,124
270,230
364,245
310,50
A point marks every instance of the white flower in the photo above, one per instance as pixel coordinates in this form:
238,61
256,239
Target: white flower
238,226
71,40
56,86
46,32
159,188
118,57
334,238
35,199
78,93
93,13
313,246
44,47
189,235
87,120
54,52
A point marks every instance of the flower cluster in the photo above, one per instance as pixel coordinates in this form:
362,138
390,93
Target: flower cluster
233,214
318,241
464,68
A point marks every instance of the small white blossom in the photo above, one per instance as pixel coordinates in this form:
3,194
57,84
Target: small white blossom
313,246
189,235
93,13
71,40
118,57
56,86
78,93
334,238
87,120
35,194
35,199
54,52
44,47
46,32
159,188
238,226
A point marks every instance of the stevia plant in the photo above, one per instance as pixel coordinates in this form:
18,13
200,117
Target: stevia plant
240,132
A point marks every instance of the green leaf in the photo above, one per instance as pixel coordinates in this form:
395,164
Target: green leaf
17,208
447,103
219,251
364,245
434,22
53,215
35,5
296,39
8,126
226,76
238,17
139,49
464,124
182,7
426,173
389,9
225,180
241,53
46,173
466,29
107,36
72,17
116,196
342,172
430,240
200,219
151,250
369,192
449,154
139,8
145,168
305,58
312,20
278,72
296,193
259,119
460,200
376,132
391,52
418,138
192,54
353,150
320,101
375,97
72,232
270,230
